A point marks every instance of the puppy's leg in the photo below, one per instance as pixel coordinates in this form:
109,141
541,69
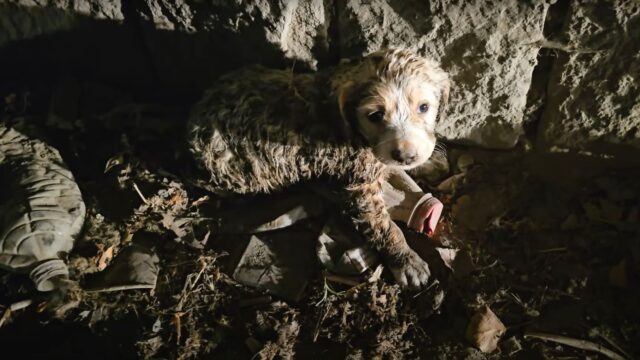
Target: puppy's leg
368,212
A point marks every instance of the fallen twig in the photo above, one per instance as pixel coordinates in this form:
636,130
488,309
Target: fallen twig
576,343
13,308
189,285
144,199
341,279
616,346
318,326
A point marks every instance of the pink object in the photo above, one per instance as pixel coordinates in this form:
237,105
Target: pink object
426,216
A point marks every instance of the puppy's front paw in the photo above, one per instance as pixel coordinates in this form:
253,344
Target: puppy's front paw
410,271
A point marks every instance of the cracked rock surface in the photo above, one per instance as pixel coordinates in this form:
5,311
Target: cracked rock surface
25,19
586,88
594,96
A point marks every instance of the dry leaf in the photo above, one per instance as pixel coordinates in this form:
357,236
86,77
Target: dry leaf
200,201
485,329
117,159
105,258
459,261
128,236
177,199
448,255
376,274
178,325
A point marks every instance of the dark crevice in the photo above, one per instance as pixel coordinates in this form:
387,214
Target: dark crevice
333,31
556,19
537,96
131,10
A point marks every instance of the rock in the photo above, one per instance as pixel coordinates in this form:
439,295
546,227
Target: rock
489,49
593,94
176,48
25,19
216,36
485,329
42,40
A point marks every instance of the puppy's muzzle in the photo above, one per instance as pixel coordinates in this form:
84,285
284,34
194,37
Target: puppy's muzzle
406,157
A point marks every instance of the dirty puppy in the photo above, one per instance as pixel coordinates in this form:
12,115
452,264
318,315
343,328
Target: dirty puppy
260,130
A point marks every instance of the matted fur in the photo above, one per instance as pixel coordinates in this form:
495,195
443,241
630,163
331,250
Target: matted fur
261,130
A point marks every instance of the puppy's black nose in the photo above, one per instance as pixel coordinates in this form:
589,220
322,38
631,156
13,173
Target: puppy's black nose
405,157
396,155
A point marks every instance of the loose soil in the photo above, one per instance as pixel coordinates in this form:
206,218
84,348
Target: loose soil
551,244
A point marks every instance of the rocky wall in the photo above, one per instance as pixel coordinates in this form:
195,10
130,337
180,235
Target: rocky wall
176,48
593,94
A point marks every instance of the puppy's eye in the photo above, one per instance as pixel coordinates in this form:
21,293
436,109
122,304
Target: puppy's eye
376,116
423,108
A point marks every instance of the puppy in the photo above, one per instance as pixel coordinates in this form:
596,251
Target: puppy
260,130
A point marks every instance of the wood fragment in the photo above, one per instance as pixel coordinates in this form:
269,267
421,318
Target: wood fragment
189,285
13,308
144,199
321,319
178,325
341,279
575,343
616,346
200,200
377,273
21,304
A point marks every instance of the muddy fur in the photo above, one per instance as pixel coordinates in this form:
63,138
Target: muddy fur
261,130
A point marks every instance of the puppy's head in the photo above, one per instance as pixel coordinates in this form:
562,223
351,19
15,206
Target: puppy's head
393,99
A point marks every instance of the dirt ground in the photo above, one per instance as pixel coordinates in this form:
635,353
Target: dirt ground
550,244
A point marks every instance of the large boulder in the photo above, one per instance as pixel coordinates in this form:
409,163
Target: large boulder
25,19
191,42
41,40
593,95
489,48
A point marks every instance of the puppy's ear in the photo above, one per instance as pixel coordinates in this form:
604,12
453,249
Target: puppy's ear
350,83
444,100
345,93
